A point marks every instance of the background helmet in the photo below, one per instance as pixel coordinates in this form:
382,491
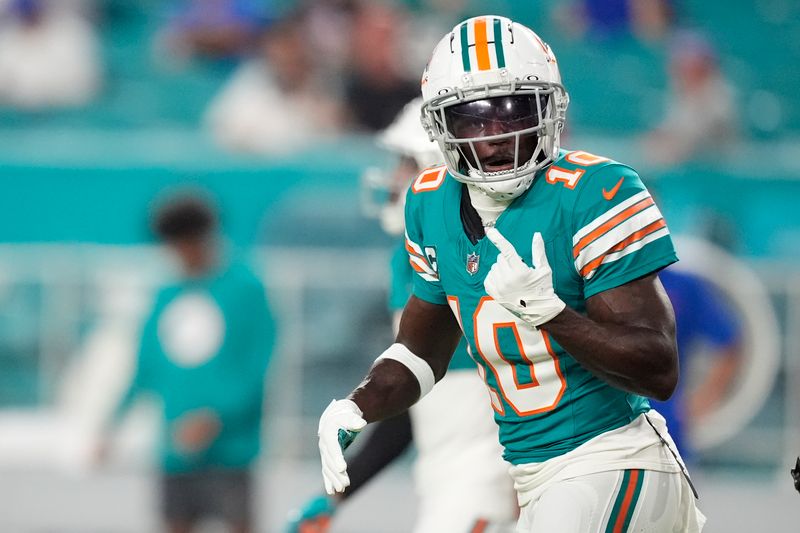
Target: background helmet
485,59
406,136
383,189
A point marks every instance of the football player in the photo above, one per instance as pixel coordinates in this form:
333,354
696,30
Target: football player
460,477
547,260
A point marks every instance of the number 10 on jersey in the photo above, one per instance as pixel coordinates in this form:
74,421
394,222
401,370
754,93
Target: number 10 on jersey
528,376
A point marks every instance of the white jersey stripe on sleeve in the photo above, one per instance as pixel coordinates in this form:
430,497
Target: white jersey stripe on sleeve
413,247
608,215
419,265
427,277
618,234
638,245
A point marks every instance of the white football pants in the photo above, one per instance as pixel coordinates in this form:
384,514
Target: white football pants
617,501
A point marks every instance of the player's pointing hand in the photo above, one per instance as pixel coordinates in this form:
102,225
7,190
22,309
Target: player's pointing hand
526,292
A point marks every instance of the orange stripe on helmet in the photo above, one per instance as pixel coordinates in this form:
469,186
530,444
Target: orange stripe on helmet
482,45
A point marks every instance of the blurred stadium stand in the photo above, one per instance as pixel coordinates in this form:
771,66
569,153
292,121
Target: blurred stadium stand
76,256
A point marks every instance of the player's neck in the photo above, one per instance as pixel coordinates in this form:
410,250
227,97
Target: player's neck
487,207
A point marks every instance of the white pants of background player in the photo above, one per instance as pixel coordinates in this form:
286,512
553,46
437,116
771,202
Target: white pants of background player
459,475
588,491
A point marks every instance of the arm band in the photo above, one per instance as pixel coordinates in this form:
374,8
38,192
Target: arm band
418,366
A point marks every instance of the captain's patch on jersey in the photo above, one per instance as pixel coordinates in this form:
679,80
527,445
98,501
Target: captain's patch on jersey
430,255
424,263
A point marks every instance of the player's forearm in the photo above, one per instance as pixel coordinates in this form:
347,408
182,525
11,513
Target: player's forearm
425,343
389,389
636,359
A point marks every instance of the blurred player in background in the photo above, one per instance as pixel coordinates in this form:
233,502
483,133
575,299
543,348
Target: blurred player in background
547,260
704,320
203,354
460,477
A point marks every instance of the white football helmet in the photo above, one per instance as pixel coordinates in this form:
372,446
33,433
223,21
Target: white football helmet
494,102
406,136
383,190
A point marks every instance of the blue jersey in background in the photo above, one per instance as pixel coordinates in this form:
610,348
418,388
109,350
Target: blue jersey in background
702,317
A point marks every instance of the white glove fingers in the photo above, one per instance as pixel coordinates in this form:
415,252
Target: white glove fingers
538,253
501,243
339,415
331,453
331,485
336,480
490,283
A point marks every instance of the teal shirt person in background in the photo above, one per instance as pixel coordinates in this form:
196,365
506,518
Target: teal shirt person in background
204,351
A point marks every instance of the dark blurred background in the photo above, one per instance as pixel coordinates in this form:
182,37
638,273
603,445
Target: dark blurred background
270,108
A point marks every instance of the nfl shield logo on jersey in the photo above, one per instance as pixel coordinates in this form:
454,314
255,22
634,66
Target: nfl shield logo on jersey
473,261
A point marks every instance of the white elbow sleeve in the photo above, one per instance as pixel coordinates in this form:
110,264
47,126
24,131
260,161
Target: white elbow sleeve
418,366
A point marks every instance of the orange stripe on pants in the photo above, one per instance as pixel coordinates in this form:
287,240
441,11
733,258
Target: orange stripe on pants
626,503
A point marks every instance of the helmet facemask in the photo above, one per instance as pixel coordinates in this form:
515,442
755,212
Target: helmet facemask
498,136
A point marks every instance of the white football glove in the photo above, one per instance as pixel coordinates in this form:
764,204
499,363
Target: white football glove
338,425
526,292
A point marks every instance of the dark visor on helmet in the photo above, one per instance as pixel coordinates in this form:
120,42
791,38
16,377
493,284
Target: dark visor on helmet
495,116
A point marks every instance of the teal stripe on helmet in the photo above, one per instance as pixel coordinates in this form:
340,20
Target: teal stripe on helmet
465,48
498,44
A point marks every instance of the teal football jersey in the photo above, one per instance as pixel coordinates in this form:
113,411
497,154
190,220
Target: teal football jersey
400,290
601,230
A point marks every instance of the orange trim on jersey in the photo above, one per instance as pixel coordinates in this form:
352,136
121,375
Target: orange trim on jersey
429,180
482,45
413,252
639,235
579,157
502,410
497,376
626,502
534,382
570,181
455,306
611,223
417,267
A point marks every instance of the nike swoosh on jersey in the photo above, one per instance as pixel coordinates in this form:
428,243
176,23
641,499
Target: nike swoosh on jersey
608,195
